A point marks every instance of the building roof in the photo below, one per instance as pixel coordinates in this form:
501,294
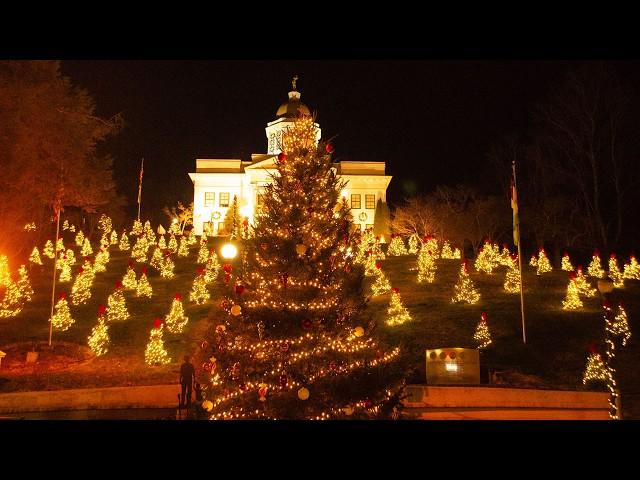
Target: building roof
292,107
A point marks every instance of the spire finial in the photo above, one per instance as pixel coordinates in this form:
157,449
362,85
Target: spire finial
294,81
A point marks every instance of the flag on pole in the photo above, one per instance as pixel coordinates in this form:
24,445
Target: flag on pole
514,206
140,183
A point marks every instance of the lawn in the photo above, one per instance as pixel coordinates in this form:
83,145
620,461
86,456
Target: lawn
554,356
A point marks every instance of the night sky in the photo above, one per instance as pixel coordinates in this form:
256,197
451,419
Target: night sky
433,122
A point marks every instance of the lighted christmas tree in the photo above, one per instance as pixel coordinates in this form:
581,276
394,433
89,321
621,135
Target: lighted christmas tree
572,300
65,225
199,293
101,260
155,353
149,234
105,224
129,281
116,305
157,259
482,335
596,370
212,268
136,230
139,251
70,257
620,325
12,302
632,269
464,290
203,253
512,281
123,245
61,318
114,237
381,285
486,261
5,274
48,250
431,244
398,313
104,241
81,290
610,337
24,284
99,339
414,243
566,263
447,253
396,247
192,240
35,257
60,245
65,272
162,244
583,284
426,265
287,348
505,256
457,254
143,289
370,269
176,319
166,269
79,239
614,272
86,248
72,228
544,266
183,250
533,261
595,267
173,243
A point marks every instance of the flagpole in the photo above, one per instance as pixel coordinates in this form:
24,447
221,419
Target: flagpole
140,187
524,335
57,209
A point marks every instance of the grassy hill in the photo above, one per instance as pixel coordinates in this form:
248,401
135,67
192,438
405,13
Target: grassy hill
554,356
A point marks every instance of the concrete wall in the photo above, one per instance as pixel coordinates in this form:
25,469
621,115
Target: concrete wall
485,403
153,396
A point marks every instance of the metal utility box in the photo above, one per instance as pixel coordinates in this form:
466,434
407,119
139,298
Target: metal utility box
453,366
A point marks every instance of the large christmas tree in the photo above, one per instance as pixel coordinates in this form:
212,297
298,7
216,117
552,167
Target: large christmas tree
290,346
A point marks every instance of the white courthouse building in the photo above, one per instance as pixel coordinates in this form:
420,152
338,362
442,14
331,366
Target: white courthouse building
217,180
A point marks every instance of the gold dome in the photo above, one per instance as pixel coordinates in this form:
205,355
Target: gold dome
292,107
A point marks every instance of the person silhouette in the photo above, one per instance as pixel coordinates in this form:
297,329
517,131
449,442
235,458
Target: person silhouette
187,378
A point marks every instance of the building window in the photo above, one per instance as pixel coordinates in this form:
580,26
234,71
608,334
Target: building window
369,226
221,228
224,199
369,202
355,200
209,199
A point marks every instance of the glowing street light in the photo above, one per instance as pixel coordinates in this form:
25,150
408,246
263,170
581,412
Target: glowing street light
229,251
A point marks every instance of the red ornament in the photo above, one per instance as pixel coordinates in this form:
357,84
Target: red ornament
243,387
282,157
227,268
130,264
596,253
368,403
118,285
378,265
200,270
178,297
143,270
240,289
483,316
285,347
395,290
621,304
157,323
101,310
80,270
572,275
613,255
593,348
245,222
307,324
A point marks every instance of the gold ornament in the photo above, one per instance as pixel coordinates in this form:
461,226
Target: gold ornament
236,310
358,332
303,393
301,249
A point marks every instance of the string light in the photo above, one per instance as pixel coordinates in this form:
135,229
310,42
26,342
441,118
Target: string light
192,240
35,257
632,269
212,268
595,371
99,339
124,242
86,248
139,251
199,293
101,260
488,258
176,319
396,247
79,238
512,281
24,284
614,272
166,269
620,325
572,300
426,265
203,253
482,335
566,263
48,250
414,243
398,314
129,280
533,261
116,305
446,253
583,284
156,259
544,266
65,272
464,290
61,318
155,353
136,230
114,237
173,244
81,290
595,267
183,250
381,285
162,244
143,289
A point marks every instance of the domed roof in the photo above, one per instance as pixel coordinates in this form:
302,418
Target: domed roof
293,107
